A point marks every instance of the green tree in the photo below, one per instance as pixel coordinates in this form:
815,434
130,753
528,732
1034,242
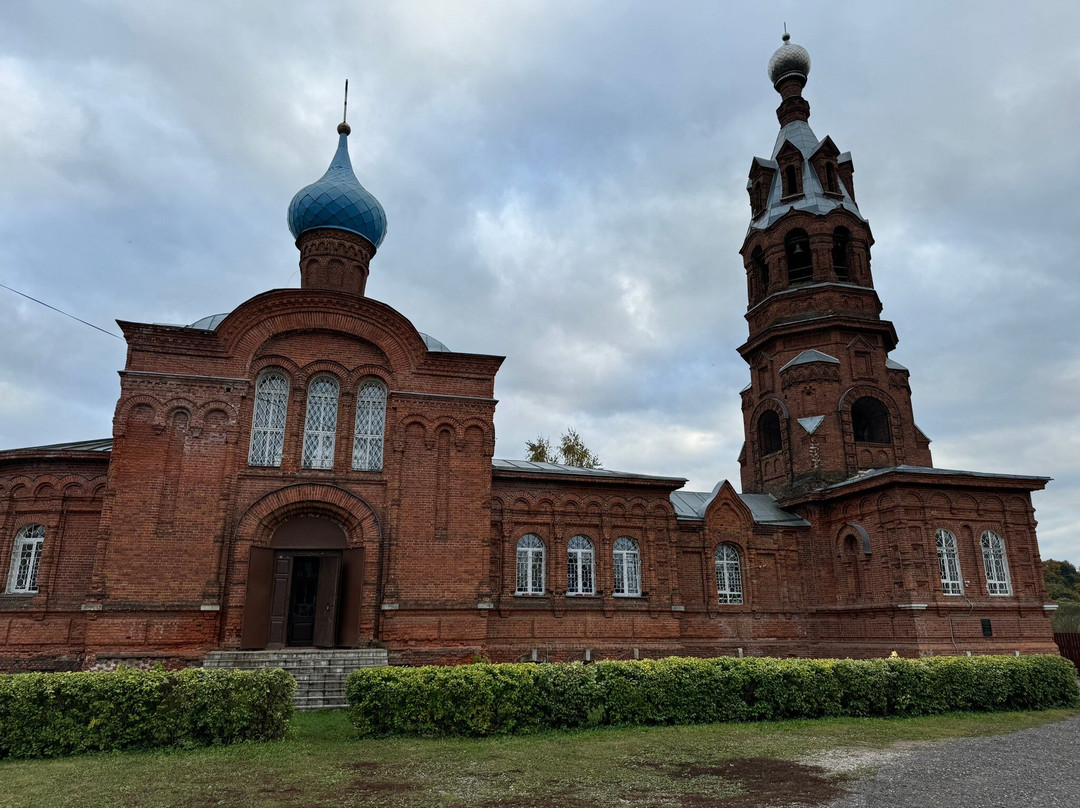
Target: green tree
1062,580
572,451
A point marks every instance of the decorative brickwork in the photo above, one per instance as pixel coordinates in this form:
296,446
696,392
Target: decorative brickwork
182,540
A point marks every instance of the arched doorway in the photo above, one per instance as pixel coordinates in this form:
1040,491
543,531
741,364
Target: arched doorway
304,590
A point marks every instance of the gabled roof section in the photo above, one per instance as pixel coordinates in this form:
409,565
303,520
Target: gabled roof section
813,199
808,356
691,506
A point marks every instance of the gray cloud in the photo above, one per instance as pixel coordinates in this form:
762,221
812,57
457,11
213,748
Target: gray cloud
565,185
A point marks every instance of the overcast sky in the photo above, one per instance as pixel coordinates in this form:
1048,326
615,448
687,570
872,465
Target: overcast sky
565,186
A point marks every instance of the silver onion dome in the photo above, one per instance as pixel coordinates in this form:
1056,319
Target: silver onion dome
789,58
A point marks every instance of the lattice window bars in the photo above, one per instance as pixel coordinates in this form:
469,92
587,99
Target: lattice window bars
995,564
25,558
627,568
530,565
370,426
729,587
268,423
580,567
949,563
320,425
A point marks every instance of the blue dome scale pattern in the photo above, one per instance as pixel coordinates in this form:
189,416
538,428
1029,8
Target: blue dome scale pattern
338,201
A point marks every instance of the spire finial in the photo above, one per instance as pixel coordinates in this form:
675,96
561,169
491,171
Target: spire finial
786,37
343,127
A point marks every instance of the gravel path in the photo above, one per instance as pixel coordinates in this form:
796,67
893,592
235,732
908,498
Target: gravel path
1034,767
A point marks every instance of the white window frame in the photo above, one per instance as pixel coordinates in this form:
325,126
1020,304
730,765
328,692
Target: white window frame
369,425
269,416
530,565
320,423
729,578
26,560
948,553
995,564
580,567
627,558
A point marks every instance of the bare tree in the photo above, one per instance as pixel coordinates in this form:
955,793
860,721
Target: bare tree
572,451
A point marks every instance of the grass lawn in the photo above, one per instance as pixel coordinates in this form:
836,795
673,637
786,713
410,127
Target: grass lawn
318,765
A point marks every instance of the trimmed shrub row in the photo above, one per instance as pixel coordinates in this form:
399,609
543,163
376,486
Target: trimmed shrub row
486,699
51,714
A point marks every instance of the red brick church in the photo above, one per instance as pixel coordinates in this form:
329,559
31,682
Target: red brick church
309,470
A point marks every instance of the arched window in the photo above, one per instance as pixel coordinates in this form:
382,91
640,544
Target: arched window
268,423
841,253
580,567
996,564
791,181
830,179
320,425
367,452
870,421
25,558
530,565
627,568
949,561
768,430
728,574
799,261
760,268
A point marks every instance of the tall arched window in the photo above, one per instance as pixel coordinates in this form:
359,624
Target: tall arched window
25,558
530,565
760,268
870,421
580,567
996,564
841,253
627,567
728,574
949,562
769,436
799,261
830,179
268,422
791,181
320,425
370,425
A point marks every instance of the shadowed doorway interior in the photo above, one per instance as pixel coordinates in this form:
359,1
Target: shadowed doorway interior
304,590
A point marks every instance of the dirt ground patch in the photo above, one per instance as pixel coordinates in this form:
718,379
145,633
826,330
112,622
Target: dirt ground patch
765,782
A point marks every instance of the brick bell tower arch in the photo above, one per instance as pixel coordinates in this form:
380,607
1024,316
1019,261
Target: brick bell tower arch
306,561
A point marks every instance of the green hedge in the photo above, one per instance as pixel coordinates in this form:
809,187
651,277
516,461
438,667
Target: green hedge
50,714
485,699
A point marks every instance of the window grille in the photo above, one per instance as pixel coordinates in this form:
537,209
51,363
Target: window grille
728,574
370,426
320,425
268,423
580,567
25,558
996,564
530,565
627,567
949,562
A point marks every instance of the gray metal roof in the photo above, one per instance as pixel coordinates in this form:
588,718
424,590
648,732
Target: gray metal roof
812,355
892,364
691,505
533,467
212,321
102,445
871,474
813,199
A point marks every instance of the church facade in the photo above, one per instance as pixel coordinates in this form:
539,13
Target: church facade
309,470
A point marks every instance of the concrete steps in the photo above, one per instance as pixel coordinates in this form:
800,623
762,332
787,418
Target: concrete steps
320,674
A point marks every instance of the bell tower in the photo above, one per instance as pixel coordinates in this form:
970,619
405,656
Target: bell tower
825,401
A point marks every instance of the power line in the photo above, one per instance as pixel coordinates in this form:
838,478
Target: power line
61,311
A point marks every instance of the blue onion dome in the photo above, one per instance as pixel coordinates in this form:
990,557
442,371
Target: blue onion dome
338,200
789,58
